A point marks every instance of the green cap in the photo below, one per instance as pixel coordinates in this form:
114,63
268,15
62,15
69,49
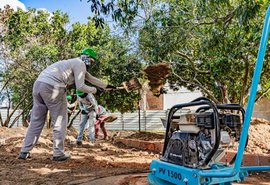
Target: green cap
69,98
90,52
79,93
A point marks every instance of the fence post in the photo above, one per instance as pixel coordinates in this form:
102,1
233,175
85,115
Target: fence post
122,121
139,114
144,114
18,121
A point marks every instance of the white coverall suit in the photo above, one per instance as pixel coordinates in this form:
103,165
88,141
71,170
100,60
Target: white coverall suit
49,94
89,108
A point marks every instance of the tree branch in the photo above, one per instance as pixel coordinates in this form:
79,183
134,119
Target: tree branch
1,120
262,94
193,66
13,111
17,117
5,84
211,96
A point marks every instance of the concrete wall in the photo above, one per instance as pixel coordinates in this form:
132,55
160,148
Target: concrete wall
262,109
153,102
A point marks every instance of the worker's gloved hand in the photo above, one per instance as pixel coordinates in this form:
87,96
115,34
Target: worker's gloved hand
84,112
110,87
99,90
163,90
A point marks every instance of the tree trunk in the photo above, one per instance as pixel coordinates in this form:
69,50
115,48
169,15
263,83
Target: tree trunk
15,120
11,114
224,93
244,86
1,119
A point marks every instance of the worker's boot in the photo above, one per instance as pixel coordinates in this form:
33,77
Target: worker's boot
79,143
89,145
64,157
24,155
91,142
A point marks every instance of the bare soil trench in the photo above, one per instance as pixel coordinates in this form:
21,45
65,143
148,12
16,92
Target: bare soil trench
106,163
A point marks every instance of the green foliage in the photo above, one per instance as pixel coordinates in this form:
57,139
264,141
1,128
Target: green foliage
211,45
32,40
122,11
121,66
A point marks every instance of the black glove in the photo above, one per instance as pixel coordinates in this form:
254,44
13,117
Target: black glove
84,112
163,90
99,90
110,87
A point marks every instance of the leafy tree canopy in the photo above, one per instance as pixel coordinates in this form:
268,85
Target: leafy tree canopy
32,40
211,45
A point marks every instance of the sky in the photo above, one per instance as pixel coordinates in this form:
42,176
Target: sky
77,10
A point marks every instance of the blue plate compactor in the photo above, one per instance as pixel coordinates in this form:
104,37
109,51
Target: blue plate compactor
195,143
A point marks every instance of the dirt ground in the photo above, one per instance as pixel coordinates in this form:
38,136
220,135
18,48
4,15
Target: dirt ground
259,137
87,164
104,164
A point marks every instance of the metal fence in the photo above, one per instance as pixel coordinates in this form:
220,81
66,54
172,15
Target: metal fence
147,121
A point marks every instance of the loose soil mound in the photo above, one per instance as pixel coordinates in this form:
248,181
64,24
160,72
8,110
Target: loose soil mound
259,137
157,74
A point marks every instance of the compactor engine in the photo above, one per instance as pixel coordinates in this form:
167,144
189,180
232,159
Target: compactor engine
197,139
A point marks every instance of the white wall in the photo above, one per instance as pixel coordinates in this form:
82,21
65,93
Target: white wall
182,96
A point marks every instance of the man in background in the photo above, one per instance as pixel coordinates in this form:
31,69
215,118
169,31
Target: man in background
88,106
